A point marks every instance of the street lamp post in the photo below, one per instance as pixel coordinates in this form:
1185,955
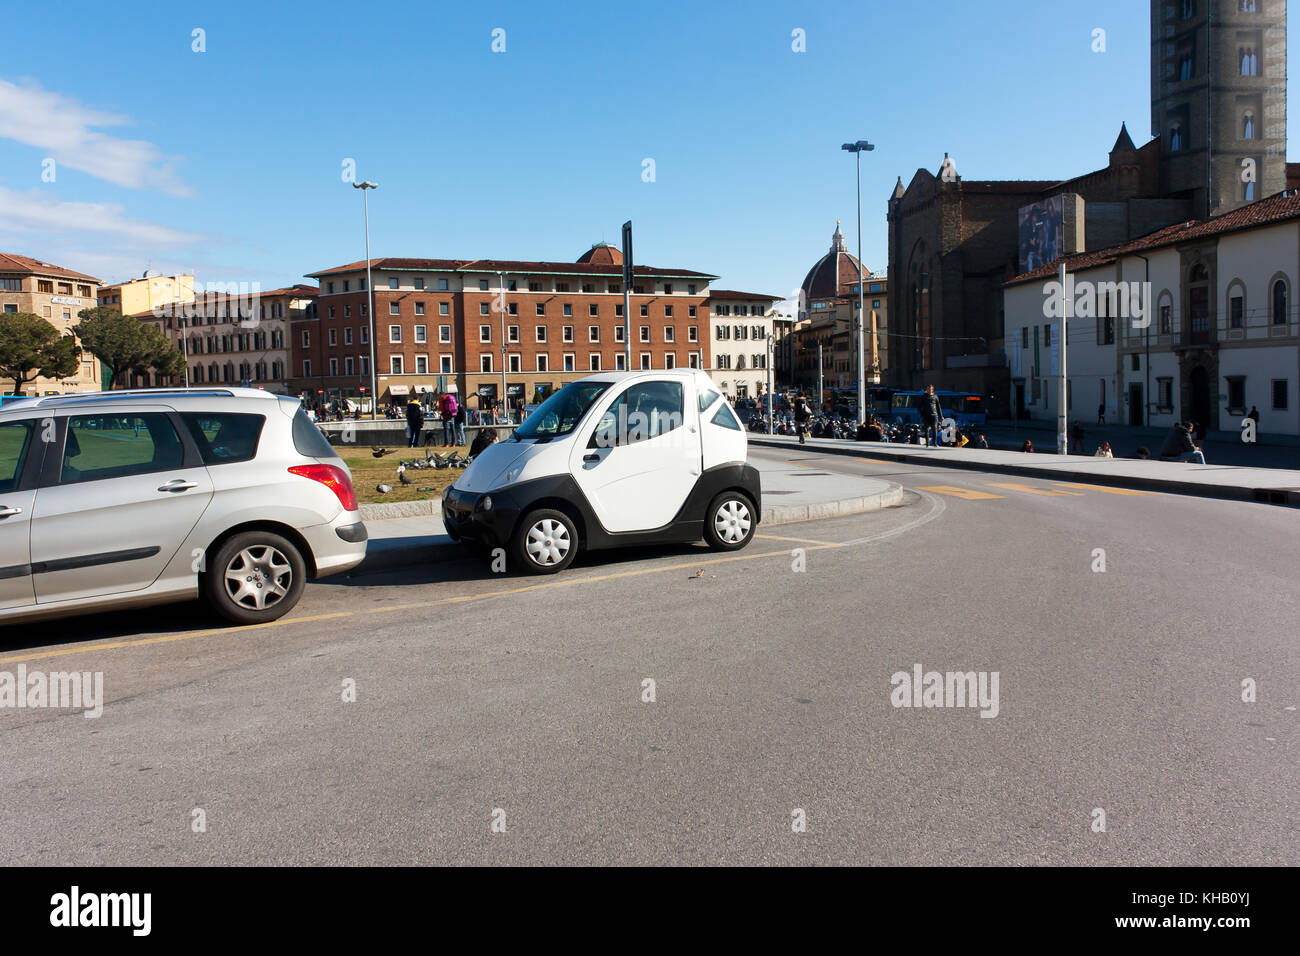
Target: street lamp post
857,149
501,301
770,425
370,292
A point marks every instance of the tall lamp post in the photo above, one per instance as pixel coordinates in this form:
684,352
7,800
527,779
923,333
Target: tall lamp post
370,291
857,149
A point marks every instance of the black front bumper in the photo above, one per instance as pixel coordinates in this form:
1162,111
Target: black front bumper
465,518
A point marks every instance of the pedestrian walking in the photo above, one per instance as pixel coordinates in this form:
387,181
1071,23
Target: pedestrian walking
801,415
931,413
1101,414
414,422
460,425
1253,415
1076,438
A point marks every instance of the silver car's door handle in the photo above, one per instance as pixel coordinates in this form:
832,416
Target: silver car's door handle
178,484
6,511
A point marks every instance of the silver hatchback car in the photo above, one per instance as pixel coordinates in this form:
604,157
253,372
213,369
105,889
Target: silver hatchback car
122,499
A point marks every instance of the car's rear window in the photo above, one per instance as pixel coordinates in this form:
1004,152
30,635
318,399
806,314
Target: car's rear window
225,437
308,439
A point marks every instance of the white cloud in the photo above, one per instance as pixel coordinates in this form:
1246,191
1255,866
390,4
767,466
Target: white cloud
65,130
36,212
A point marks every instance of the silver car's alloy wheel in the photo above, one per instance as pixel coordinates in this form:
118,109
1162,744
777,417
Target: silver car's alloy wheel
258,577
548,542
732,520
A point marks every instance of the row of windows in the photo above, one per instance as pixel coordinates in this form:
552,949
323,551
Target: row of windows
252,341
512,285
48,286
758,360
514,363
230,374
726,332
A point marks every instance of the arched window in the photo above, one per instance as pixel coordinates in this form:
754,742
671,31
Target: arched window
1249,61
213,374
1248,125
1175,137
1279,302
198,374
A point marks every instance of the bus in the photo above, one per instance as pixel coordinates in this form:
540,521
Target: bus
965,408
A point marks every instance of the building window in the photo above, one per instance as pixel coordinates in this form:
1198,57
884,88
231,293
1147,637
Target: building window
1279,302
593,309
512,333
569,361
1248,125
349,365
618,334
445,366
692,333
593,333
514,308
1164,394
1166,319
541,308
543,362
392,282
1175,138
347,336
514,362
395,365
395,334
422,365
421,334
567,333
332,337
534,286
1236,394
1249,61
593,361
1135,362
1279,394
618,310
444,308
645,310
668,312
568,308
444,333
442,285
306,339
541,333
347,311
483,308
419,283
1248,191
485,333
645,361
485,362
1246,6
645,333
394,309
669,334
1236,313
306,368
670,360
690,311
365,335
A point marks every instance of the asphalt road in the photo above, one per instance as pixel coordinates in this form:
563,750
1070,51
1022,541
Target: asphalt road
1118,691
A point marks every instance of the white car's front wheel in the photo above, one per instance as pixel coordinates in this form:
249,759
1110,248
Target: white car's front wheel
545,542
730,523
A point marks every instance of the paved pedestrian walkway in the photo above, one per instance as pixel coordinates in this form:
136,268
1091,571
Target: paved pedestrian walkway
791,492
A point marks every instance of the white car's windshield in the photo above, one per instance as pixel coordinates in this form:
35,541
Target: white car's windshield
560,413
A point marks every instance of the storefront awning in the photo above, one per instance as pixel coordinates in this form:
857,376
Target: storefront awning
399,389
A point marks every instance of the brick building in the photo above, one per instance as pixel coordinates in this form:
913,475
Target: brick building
491,327
57,295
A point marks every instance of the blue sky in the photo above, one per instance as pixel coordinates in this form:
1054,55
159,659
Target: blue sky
228,162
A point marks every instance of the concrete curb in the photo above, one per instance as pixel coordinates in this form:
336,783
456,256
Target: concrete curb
384,554
1277,496
384,510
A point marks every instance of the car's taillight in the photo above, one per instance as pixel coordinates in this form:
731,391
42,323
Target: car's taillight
332,477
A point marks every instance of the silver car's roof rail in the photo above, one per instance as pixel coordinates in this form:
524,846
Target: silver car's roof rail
75,398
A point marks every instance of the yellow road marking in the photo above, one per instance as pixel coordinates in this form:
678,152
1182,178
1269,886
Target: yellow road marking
953,491
1031,490
1106,488
437,602
777,537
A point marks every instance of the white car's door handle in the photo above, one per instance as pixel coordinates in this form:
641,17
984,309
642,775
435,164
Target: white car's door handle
6,511
178,484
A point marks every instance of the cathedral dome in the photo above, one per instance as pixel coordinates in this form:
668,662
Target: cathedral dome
833,275
603,254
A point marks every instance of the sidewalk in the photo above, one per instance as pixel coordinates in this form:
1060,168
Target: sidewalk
1268,485
412,532
1271,450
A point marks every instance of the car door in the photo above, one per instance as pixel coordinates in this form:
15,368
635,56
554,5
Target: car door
21,449
642,458
124,492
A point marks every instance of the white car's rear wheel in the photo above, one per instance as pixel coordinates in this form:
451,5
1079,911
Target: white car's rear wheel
255,577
